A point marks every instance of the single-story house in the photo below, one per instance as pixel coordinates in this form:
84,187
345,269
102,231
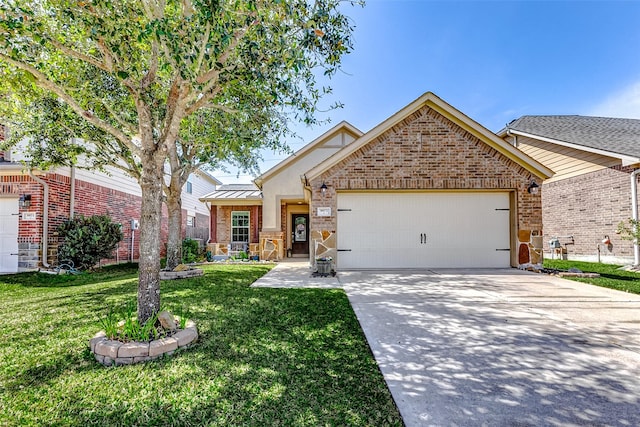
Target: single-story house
427,187
32,205
594,185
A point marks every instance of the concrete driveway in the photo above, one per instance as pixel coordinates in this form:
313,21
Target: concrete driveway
501,347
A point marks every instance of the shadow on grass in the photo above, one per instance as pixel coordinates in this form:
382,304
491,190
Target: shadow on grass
38,279
264,357
618,277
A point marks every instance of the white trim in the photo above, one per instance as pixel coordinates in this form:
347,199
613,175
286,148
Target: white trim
432,101
626,160
342,126
248,226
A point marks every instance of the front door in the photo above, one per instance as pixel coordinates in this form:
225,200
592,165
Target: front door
300,234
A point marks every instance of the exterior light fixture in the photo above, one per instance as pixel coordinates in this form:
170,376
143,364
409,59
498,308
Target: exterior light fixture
533,188
24,201
323,188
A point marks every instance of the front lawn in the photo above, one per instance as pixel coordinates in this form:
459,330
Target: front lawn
610,275
287,357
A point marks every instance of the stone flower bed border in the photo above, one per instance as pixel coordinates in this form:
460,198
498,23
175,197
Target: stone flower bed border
111,352
173,275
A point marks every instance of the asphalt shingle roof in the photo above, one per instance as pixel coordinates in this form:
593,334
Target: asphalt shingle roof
620,136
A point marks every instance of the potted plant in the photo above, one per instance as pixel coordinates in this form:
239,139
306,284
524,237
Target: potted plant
323,265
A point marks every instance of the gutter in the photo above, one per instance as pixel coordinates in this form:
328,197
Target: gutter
634,213
72,190
45,218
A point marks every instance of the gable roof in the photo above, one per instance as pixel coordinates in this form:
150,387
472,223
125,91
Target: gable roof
203,173
234,193
343,126
610,136
432,101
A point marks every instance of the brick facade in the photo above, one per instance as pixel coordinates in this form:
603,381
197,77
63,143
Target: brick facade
589,207
221,228
427,151
90,199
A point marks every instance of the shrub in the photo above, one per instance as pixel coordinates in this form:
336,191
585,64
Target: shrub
630,231
190,251
87,240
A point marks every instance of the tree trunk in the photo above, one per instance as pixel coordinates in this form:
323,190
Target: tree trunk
174,243
150,222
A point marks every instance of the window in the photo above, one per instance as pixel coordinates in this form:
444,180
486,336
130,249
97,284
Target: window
189,187
240,226
191,221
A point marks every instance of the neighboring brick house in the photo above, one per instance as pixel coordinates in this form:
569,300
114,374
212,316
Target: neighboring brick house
30,200
591,191
428,187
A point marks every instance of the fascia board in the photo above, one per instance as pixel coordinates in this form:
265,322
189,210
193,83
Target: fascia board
343,125
626,160
431,100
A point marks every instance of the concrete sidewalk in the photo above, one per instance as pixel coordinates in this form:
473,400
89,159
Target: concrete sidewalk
295,273
496,347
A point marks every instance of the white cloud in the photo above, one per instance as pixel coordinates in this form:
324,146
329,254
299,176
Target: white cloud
624,104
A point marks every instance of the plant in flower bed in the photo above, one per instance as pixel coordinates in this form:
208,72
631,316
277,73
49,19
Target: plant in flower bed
263,357
123,326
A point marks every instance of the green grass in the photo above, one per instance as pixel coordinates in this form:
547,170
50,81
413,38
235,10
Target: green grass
265,357
610,275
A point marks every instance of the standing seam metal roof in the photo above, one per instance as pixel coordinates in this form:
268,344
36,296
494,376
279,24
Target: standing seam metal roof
234,191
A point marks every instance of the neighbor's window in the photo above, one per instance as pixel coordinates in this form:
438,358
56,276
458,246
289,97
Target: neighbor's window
240,226
189,187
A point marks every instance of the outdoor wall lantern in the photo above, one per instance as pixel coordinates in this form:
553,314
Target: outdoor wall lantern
24,201
323,188
533,188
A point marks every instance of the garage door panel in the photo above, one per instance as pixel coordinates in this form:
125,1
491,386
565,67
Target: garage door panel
423,230
8,235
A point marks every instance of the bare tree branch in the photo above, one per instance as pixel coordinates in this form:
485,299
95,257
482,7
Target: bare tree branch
46,83
203,100
221,108
203,46
117,118
150,75
176,107
82,57
212,74
108,54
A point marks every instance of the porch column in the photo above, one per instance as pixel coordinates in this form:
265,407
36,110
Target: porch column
255,232
213,226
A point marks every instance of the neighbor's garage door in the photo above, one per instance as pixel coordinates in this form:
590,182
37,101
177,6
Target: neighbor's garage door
423,230
8,235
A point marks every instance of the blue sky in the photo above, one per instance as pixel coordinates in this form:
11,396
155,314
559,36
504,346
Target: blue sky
493,60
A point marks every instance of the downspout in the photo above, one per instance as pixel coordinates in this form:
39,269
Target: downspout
45,218
72,190
515,138
634,213
208,206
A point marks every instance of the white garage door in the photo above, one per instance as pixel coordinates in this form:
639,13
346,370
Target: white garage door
423,230
8,235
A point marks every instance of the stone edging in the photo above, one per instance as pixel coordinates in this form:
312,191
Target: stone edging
172,275
571,274
111,352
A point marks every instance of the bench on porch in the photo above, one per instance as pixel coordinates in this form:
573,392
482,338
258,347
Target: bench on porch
235,248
